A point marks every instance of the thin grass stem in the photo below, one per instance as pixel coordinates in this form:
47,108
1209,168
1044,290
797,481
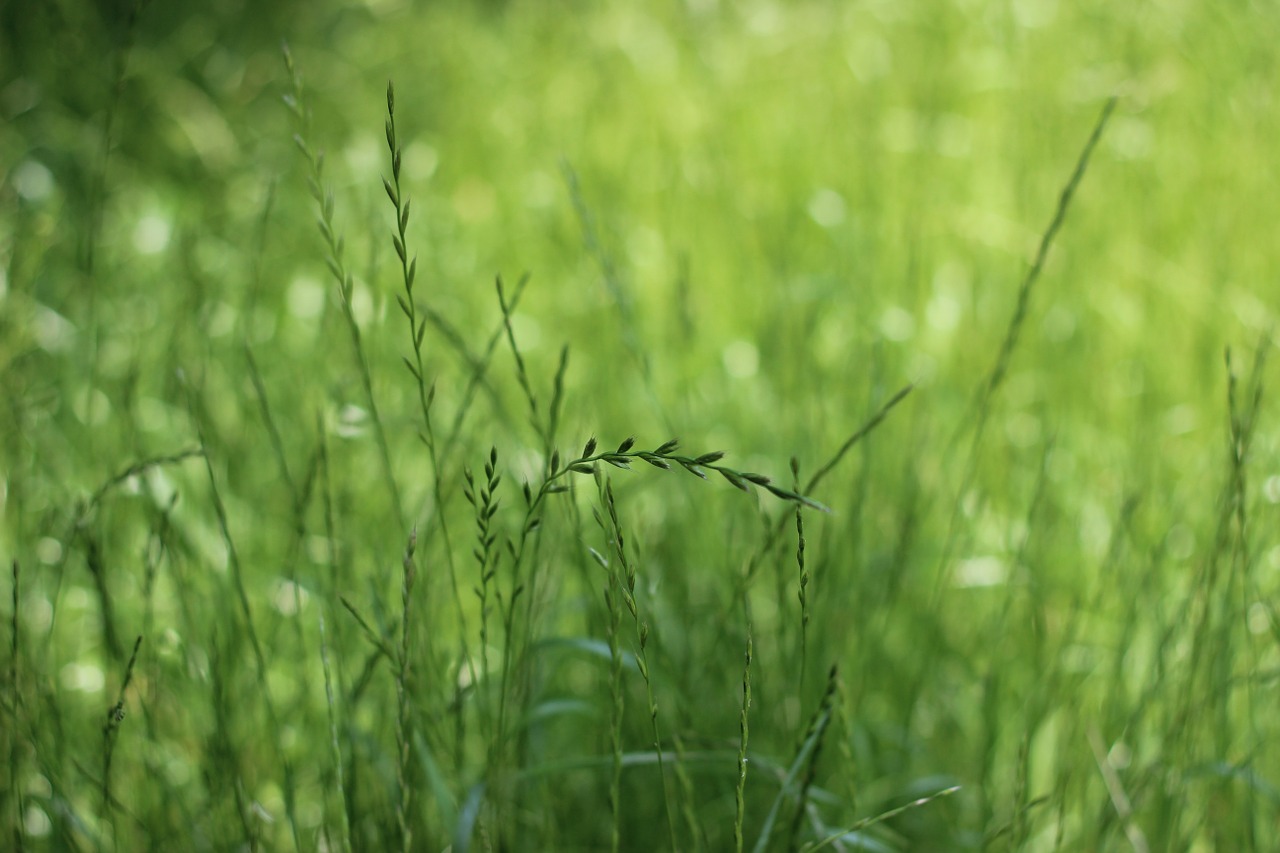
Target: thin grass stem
404,735
334,745
744,732
625,585
246,613
337,265
1012,335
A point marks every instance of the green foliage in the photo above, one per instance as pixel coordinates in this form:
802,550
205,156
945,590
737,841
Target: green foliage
971,267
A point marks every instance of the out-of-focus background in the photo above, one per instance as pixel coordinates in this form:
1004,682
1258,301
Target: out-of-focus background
1048,577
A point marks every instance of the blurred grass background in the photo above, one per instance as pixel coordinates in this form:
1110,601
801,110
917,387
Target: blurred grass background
751,224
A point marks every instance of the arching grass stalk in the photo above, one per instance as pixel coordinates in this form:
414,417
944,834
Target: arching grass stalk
1243,419
664,457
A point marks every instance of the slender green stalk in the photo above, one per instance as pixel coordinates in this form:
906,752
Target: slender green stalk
626,588
11,733
417,327
334,746
123,476
740,790
246,613
527,585
617,704
837,837
802,762
404,732
1020,804
1243,420
408,272
857,436
686,796
479,365
666,458
803,593
97,205
546,430
773,534
617,288
485,502
110,730
1116,791
817,734
336,262
298,497
1013,332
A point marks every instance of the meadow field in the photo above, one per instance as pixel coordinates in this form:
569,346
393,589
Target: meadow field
687,426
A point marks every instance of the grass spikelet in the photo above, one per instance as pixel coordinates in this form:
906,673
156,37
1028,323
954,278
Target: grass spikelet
665,457
484,501
417,324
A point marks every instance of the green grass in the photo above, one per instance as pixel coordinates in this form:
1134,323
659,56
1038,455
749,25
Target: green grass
342,501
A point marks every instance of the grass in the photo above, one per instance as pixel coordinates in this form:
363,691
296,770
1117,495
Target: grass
351,405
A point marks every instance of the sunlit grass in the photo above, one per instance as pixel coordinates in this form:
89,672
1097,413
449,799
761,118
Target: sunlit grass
375,610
